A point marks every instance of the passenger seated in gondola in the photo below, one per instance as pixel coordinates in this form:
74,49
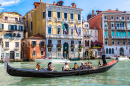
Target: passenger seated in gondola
38,66
66,67
89,65
82,66
76,67
49,67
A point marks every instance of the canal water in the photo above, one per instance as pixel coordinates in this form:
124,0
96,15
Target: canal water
117,75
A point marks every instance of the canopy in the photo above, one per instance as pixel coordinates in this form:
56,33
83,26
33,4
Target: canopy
96,43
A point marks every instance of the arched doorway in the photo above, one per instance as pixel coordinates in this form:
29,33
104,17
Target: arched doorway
65,50
11,54
121,51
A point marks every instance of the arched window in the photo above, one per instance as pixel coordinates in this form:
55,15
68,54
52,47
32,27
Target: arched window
112,50
66,31
31,26
88,42
109,50
106,50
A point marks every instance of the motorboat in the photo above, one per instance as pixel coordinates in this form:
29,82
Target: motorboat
120,57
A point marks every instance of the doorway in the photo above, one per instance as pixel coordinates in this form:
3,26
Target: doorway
65,50
11,54
121,51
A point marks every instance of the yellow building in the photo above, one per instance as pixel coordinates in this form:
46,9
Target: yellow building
49,20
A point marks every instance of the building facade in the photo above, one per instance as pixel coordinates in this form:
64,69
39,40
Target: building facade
34,47
114,31
11,32
90,36
57,23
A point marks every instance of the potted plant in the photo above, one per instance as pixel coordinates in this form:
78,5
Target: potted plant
59,46
72,46
33,45
50,45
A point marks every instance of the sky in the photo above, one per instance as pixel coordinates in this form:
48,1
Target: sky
23,6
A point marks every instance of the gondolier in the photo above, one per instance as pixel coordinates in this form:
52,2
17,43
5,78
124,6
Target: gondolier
103,54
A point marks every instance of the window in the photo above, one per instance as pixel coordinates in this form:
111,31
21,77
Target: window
20,28
59,41
79,42
79,31
65,15
106,50
105,24
117,18
72,42
16,44
72,49
109,50
112,24
49,30
31,26
100,25
112,33
105,17
31,15
34,43
42,52
128,18
60,4
28,43
7,54
112,50
86,25
123,18
71,31
58,30
79,17
112,18
17,54
49,41
128,33
44,15
106,33
6,44
71,16
16,19
6,18
49,13
1,26
128,25
123,42
106,42
58,14
100,18
42,43
23,43
118,43
113,43
34,53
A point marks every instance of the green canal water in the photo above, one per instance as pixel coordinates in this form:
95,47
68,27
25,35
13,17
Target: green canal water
117,75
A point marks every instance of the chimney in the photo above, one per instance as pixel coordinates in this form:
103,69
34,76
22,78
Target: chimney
117,9
73,5
92,12
54,3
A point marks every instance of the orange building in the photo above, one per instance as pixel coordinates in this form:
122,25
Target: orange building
34,47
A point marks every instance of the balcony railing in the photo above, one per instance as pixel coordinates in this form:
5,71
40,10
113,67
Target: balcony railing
79,21
12,37
63,36
106,37
6,48
65,19
120,37
106,28
16,48
11,21
49,18
58,19
121,28
113,28
71,20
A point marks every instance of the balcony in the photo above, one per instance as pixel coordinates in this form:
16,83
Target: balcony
65,19
79,21
106,28
119,37
6,48
72,20
113,28
11,21
16,48
58,19
12,37
49,18
106,37
63,36
121,28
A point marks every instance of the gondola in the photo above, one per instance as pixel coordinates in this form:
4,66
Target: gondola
48,74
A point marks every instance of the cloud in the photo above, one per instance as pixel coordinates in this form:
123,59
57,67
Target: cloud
9,2
1,9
